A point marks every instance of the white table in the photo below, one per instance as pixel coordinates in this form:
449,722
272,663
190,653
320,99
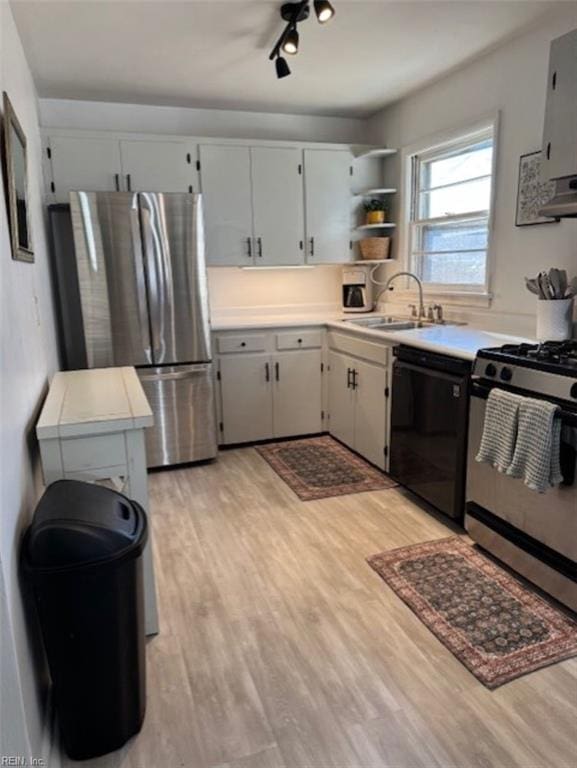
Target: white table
92,428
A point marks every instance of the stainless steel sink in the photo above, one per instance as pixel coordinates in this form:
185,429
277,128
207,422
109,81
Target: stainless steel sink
388,323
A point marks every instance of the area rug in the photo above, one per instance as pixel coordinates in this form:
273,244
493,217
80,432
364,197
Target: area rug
319,467
498,628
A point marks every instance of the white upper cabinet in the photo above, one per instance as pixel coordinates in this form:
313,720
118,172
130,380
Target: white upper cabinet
278,205
264,205
159,166
226,187
107,165
253,205
84,163
328,205
560,130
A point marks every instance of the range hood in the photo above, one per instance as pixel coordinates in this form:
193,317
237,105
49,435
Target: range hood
559,155
564,203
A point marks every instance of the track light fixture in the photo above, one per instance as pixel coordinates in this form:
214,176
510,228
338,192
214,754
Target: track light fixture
291,42
282,68
293,13
324,11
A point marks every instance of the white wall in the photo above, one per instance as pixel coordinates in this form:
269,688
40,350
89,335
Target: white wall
97,115
280,290
511,79
28,357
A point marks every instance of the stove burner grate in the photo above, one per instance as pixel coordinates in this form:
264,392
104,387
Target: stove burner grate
562,352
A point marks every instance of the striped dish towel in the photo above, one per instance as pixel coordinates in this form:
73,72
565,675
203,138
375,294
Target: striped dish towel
500,429
536,458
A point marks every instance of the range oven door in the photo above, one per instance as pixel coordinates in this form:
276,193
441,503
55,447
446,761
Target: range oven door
534,533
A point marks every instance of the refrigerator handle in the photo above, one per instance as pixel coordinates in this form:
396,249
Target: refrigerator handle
140,281
175,373
157,267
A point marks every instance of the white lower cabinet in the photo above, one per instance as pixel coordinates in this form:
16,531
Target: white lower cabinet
370,411
245,384
270,393
358,405
297,398
341,398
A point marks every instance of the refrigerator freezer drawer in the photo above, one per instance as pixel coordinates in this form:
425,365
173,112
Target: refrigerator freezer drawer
183,403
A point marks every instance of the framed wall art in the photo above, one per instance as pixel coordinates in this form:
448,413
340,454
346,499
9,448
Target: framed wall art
532,193
15,163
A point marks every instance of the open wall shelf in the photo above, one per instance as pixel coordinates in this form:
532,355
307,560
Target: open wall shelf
376,191
384,225
371,262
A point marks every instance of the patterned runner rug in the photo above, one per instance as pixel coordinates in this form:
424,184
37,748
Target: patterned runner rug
319,467
498,628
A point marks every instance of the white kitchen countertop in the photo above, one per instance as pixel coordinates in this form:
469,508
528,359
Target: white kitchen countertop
462,341
94,401
288,320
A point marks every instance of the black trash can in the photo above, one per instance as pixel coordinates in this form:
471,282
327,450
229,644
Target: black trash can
82,554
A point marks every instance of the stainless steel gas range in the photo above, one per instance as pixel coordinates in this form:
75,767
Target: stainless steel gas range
533,533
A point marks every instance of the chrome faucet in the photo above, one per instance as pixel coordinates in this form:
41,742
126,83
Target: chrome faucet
421,313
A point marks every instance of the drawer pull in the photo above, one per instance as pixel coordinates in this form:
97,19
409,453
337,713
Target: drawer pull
243,343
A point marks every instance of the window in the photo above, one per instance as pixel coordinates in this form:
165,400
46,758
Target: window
450,212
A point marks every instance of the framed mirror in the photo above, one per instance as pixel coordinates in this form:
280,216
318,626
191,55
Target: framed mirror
17,185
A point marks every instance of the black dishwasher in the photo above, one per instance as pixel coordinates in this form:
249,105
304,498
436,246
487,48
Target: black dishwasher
429,419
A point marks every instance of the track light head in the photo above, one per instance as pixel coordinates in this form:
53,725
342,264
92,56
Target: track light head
282,68
324,10
291,41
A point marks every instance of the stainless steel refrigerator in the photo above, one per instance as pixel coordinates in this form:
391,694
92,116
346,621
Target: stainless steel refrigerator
142,300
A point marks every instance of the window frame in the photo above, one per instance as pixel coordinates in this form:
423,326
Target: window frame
447,144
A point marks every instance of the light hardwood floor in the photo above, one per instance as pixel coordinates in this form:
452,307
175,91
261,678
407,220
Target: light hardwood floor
281,648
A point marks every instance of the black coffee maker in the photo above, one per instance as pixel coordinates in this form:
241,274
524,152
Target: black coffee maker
357,290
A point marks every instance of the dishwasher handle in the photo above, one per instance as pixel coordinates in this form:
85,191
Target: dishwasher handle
400,365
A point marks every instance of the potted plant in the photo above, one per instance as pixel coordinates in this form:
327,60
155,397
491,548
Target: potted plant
374,211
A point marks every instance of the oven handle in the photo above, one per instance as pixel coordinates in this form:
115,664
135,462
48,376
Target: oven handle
482,391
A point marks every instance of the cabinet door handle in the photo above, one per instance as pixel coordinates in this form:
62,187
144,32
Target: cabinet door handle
355,374
277,371
259,243
128,182
267,372
349,371
548,150
312,246
117,182
249,247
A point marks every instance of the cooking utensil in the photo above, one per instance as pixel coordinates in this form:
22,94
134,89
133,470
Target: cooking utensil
555,282
541,284
532,285
563,281
547,287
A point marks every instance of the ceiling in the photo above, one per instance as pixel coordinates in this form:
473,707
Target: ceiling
215,54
